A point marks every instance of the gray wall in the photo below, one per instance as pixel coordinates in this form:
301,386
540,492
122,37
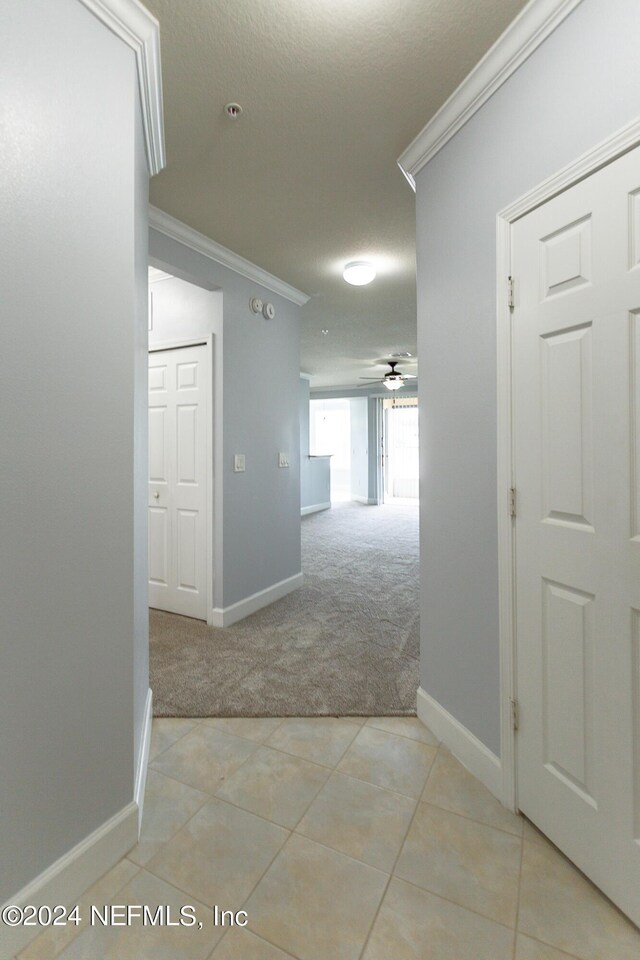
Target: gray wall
259,412
72,202
579,87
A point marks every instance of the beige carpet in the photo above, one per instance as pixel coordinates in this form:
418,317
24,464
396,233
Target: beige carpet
345,643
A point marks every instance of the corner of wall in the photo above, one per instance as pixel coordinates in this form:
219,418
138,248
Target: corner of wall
471,752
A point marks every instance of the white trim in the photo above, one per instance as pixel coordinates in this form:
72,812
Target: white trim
605,152
305,376
355,390
471,752
143,758
315,508
78,869
133,23
160,345
522,37
225,616
370,501
506,524
177,230
599,156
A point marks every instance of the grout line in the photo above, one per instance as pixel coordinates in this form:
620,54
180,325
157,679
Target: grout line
563,953
256,747
81,929
466,816
170,776
393,733
515,931
261,815
258,936
295,756
319,762
173,742
393,868
460,906
396,793
210,722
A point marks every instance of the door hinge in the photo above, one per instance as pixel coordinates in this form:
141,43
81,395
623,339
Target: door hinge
510,293
512,501
515,713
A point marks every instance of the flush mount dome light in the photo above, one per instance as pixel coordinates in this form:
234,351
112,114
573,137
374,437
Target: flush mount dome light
359,273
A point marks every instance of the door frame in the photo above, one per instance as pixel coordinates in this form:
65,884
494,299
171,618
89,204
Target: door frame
604,153
210,508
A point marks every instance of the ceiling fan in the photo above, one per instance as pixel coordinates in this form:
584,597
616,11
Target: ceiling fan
392,379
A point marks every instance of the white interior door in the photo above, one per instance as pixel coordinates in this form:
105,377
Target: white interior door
576,355
178,405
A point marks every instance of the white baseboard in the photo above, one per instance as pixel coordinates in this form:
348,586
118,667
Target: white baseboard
225,616
314,508
143,757
371,501
471,752
66,879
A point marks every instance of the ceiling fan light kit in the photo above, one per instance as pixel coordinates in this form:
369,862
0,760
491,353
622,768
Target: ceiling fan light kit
359,273
392,379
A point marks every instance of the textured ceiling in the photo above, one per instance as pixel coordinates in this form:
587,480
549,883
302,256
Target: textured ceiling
306,179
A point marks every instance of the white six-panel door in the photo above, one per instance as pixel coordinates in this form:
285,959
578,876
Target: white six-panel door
576,376
178,393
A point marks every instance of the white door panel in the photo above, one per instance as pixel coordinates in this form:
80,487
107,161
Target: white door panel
178,407
576,395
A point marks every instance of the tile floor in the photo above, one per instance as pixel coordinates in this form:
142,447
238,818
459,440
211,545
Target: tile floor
342,839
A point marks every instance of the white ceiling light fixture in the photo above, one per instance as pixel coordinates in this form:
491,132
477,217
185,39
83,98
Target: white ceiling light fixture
393,382
359,273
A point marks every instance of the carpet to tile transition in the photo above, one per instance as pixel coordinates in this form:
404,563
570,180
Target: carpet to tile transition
345,643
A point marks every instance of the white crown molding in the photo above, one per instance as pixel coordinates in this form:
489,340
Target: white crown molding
530,28
179,231
130,21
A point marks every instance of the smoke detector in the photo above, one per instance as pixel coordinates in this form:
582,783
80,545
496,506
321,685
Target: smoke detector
233,110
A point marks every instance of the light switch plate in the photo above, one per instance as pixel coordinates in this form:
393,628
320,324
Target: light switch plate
238,463
283,459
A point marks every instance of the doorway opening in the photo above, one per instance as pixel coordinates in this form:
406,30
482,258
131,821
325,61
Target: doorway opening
330,435
401,463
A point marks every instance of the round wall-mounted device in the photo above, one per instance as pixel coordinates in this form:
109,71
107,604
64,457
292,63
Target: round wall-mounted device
268,311
256,304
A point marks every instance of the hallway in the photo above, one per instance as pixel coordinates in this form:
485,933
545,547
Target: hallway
345,643
341,839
